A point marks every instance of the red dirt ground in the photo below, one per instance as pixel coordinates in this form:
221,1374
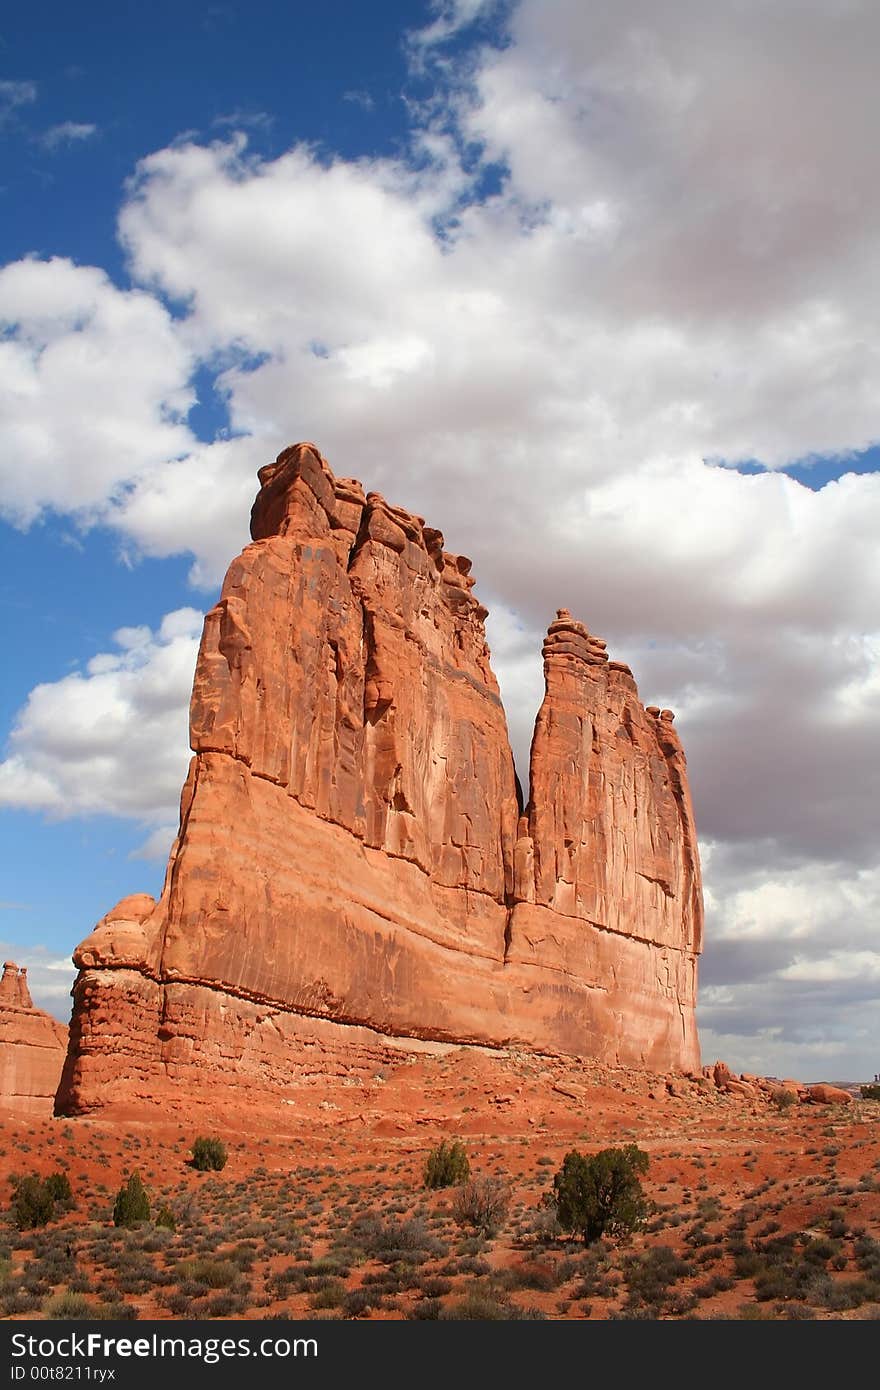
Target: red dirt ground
321,1210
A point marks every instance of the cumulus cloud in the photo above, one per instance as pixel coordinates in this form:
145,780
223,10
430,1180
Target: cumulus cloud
633,243
93,389
113,739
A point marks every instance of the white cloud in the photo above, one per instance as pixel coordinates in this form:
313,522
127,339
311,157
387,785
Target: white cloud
157,844
680,262
245,120
797,945
359,97
12,96
112,740
68,133
449,18
93,389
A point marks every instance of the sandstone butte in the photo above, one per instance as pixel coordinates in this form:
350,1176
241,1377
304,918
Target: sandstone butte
32,1046
354,869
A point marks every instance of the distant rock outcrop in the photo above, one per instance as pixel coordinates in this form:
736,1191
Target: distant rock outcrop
32,1045
354,866
765,1088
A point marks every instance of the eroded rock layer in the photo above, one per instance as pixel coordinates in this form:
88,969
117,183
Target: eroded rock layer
32,1045
351,847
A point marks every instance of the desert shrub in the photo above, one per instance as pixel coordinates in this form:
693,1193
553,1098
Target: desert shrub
871,1092
797,1312
426,1310
708,1209
650,1278
331,1295
478,1305
602,1193
482,1203
209,1155
19,1301
32,1203
471,1264
390,1281
820,1250
392,1242
839,1295
783,1100
544,1225
132,1205
225,1305
447,1165
178,1303
534,1274
599,1279
165,1219
243,1255
867,1252
435,1286
213,1274
359,1301
68,1305
115,1310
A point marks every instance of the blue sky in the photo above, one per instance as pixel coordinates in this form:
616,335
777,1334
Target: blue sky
605,275
97,89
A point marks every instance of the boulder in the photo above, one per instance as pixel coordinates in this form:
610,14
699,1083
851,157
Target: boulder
822,1094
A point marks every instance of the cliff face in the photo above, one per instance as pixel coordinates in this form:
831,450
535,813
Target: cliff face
32,1045
351,851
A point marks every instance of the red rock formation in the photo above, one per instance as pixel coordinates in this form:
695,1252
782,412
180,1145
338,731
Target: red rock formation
823,1094
351,847
32,1045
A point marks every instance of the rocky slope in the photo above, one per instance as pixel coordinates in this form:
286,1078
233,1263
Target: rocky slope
353,868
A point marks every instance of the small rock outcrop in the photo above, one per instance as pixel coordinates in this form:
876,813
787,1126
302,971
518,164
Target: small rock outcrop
354,866
764,1088
32,1045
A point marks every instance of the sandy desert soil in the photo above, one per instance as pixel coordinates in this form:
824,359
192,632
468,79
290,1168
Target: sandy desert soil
321,1209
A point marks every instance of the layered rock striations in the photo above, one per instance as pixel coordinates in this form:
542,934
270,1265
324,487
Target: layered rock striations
353,865
32,1045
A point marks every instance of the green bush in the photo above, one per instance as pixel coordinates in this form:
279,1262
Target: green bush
870,1092
132,1205
447,1165
32,1203
209,1155
58,1184
601,1194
